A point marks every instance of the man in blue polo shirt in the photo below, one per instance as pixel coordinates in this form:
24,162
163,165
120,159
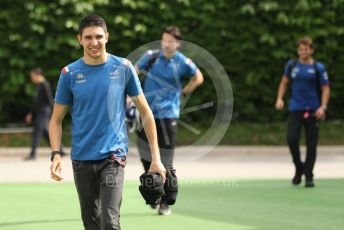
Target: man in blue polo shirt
310,93
95,88
164,72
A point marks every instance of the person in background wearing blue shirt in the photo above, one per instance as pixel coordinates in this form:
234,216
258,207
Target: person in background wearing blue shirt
310,93
164,72
95,88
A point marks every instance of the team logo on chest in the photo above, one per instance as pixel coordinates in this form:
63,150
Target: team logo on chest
114,75
116,72
80,78
311,70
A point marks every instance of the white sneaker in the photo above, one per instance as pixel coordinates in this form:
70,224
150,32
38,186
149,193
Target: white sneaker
164,210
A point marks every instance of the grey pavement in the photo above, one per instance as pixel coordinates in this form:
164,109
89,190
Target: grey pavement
196,162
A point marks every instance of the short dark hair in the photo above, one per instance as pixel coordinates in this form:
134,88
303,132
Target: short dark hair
174,31
37,70
307,41
92,20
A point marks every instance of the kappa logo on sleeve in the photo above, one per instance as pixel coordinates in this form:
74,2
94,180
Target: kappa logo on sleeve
325,75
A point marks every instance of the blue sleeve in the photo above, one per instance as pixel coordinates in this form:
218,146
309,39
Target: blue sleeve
324,79
133,86
189,68
142,63
63,92
287,69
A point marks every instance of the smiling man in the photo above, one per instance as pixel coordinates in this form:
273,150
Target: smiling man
310,93
95,88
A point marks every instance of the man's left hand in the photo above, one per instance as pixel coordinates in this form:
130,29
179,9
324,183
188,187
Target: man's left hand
157,167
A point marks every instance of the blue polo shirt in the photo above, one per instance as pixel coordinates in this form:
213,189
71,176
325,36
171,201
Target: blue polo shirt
304,88
164,82
96,95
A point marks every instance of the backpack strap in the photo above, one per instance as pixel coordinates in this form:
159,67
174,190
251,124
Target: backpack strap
155,54
289,71
318,78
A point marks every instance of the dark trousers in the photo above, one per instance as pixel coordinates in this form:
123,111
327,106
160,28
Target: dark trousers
40,128
311,125
99,185
166,131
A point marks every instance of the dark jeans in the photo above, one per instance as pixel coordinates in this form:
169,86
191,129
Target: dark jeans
295,122
40,128
166,131
99,185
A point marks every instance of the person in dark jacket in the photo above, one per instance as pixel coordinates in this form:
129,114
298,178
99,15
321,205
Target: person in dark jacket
40,110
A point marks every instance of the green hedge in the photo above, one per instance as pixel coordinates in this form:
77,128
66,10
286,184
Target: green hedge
251,39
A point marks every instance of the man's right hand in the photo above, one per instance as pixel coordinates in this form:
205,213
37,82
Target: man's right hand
279,104
56,168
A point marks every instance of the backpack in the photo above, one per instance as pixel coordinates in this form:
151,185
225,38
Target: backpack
317,75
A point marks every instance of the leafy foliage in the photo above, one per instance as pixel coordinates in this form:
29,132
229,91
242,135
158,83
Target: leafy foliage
252,39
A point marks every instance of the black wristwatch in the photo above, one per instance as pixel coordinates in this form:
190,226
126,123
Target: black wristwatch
53,153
